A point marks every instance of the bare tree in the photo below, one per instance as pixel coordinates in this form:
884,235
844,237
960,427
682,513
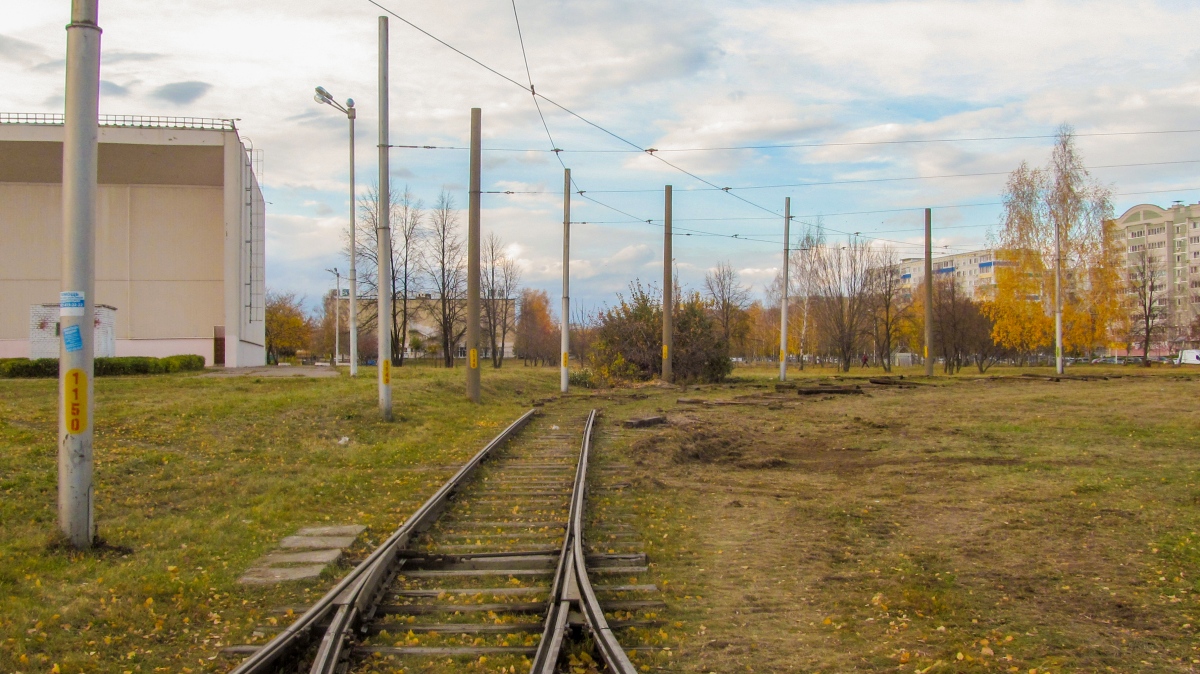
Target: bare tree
982,348
887,307
1147,285
406,214
951,309
729,299
584,325
444,262
801,279
841,287
499,282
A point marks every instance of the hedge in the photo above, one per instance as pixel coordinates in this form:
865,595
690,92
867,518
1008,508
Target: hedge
105,367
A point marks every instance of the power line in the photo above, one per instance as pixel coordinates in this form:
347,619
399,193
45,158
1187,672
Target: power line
892,179
860,180
565,109
818,143
653,152
529,76
917,141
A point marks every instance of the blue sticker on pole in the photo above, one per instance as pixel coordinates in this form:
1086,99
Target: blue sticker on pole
71,303
72,339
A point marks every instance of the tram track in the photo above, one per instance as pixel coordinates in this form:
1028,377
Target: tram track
493,565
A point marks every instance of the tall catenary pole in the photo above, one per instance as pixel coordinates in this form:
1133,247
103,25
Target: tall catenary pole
384,235
337,319
1058,307
668,286
473,261
77,299
928,290
783,308
352,113
565,327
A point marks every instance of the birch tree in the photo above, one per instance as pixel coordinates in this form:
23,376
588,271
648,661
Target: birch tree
499,280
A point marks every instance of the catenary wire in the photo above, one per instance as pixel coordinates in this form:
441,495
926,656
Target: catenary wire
653,152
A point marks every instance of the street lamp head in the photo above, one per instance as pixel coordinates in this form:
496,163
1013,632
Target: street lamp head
323,94
319,99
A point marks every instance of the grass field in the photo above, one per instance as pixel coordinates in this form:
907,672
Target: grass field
196,477
975,525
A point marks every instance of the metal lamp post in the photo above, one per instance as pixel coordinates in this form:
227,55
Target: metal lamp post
324,96
337,316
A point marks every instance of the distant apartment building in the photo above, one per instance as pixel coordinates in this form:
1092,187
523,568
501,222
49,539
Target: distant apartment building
974,271
179,236
1170,238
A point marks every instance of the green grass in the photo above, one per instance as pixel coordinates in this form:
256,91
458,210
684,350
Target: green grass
196,477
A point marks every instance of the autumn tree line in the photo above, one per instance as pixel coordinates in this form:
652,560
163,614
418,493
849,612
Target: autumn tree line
847,300
428,284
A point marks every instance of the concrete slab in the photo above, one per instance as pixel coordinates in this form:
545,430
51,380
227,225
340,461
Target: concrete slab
343,530
317,542
267,576
314,557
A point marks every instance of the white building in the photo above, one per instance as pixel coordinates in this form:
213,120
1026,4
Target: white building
179,235
1170,237
975,271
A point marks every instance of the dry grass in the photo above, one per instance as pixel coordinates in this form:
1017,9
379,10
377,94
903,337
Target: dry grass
1001,525
1050,523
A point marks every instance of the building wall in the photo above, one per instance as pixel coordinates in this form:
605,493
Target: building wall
1171,236
974,270
178,261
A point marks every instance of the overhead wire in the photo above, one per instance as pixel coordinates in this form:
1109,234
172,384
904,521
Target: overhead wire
565,109
653,152
816,143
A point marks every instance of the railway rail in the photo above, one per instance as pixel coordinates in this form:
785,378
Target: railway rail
493,565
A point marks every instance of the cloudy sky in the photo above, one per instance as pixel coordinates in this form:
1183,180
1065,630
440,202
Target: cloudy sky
832,79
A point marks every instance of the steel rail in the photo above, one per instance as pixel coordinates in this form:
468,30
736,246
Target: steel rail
571,585
355,597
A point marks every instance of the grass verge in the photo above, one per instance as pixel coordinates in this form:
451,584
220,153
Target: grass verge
196,477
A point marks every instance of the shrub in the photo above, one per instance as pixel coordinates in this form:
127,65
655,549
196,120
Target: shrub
584,378
107,367
628,342
23,368
186,363
47,368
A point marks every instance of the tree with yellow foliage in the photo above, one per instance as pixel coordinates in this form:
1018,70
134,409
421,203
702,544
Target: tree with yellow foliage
288,326
1061,199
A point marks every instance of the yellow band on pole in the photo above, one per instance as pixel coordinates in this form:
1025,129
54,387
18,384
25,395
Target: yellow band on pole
566,359
75,401
474,358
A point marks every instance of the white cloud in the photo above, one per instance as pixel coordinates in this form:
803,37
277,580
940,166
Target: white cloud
665,74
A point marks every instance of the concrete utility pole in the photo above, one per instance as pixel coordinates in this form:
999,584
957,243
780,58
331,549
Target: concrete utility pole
928,290
384,235
1058,335
668,287
473,261
566,301
352,113
783,307
77,299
